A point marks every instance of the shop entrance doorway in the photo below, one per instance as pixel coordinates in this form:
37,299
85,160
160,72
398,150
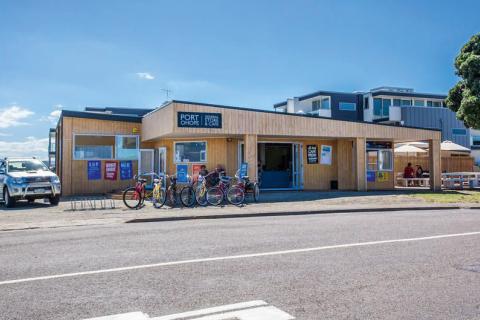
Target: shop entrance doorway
280,165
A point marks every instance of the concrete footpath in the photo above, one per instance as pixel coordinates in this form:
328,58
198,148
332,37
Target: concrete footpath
41,215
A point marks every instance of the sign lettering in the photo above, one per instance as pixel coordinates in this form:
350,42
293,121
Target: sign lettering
199,120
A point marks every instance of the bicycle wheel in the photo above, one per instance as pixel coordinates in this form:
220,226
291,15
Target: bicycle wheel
131,198
187,196
256,192
159,197
201,195
215,196
171,197
235,195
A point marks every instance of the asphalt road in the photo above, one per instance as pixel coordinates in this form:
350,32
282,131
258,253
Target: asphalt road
422,278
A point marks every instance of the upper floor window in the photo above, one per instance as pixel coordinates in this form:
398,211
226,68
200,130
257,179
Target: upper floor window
381,107
459,131
347,106
418,103
321,104
437,103
475,140
405,102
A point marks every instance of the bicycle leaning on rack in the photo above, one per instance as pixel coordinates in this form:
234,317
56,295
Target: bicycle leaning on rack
134,197
217,194
248,187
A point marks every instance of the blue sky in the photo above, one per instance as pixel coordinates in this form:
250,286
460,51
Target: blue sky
73,54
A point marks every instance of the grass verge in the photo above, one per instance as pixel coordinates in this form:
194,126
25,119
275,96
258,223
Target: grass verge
460,196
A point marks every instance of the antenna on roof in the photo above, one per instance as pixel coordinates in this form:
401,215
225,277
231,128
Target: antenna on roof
167,92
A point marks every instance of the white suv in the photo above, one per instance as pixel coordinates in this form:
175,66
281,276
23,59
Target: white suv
29,179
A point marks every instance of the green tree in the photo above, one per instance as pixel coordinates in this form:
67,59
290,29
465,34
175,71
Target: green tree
464,97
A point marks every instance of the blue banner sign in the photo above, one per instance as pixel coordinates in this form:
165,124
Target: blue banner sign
199,120
94,170
182,173
243,170
370,176
126,170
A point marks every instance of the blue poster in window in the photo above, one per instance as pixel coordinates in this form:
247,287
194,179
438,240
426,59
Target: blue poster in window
94,170
243,170
126,170
182,173
370,176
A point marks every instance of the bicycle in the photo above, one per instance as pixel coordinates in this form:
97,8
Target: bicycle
187,193
134,197
216,195
248,186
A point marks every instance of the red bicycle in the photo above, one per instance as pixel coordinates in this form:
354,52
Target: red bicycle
234,194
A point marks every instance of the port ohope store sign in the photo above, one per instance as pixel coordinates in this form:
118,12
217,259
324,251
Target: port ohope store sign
199,120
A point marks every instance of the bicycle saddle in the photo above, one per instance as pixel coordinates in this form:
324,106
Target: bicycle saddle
142,180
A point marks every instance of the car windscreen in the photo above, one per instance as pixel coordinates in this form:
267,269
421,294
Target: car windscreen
26,165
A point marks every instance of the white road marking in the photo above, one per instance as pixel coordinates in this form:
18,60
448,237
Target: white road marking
236,257
251,310
203,312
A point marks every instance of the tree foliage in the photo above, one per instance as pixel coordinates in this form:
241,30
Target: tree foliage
464,97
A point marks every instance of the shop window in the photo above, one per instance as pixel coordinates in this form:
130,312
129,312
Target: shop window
379,160
191,151
93,147
126,147
347,106
385,160
372,159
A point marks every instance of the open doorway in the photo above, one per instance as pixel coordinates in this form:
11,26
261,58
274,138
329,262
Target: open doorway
279,165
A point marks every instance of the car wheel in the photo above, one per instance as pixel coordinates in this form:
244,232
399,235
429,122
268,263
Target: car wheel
9,201
54,200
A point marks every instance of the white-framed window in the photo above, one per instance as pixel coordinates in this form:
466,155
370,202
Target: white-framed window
93,147
126,147
190,151
347,106
322,103
379,160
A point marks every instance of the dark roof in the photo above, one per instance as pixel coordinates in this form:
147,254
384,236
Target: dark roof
101,116
120,111
314,94
287,114
409,94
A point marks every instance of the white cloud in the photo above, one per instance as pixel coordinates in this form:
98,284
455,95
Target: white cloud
145,75
13,116
54,115
30,147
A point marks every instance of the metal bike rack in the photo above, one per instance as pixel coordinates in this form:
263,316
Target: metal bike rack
91,203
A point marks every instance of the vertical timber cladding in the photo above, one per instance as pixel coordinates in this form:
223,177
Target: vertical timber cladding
74,172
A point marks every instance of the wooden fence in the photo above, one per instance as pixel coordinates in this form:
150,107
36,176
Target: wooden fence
450,163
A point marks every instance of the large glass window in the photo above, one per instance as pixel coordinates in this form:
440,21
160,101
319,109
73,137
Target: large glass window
437,103
191,151
406,102
347,106
397,102
377,106
386,107
321,104
93,147
126,147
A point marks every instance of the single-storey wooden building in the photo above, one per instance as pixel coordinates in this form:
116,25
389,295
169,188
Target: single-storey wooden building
98,150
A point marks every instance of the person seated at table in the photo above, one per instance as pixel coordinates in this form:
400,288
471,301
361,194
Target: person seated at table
419,172
409,173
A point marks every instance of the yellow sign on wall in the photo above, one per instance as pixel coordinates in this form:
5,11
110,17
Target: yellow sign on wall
383,176
135,130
